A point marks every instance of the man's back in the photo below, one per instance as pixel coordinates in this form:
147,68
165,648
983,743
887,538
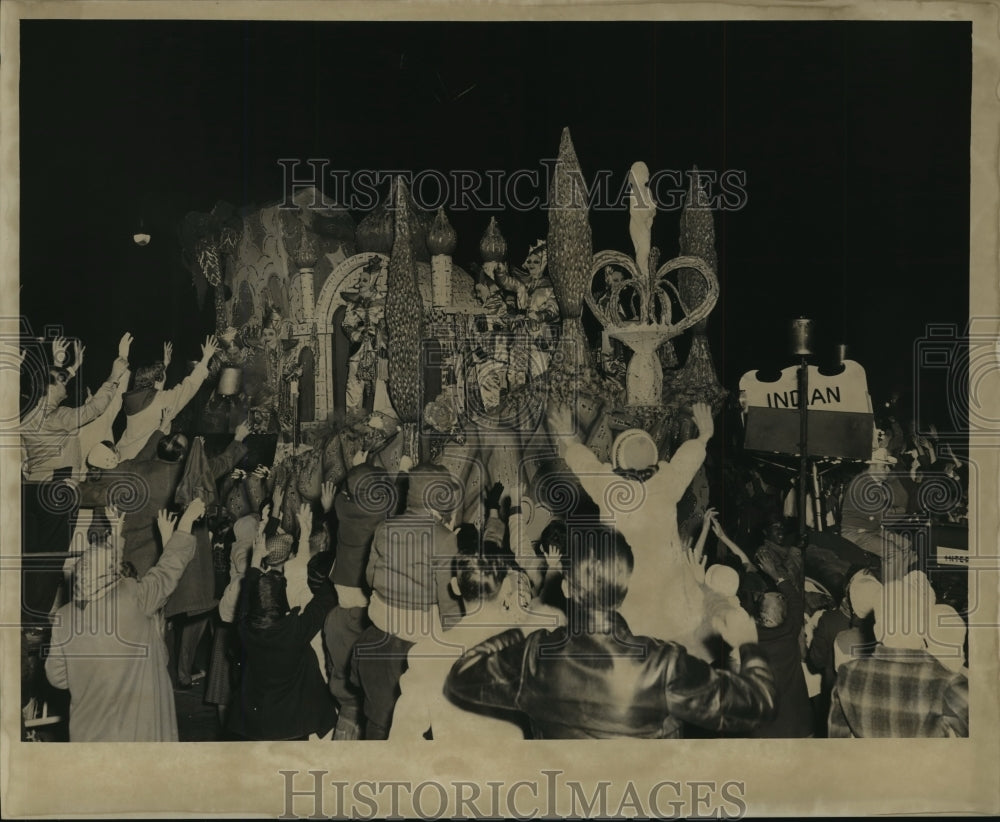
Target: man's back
609,683
900,694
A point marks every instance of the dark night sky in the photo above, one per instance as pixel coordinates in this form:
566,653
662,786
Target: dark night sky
854,138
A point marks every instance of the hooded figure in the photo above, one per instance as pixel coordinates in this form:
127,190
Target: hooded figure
118,683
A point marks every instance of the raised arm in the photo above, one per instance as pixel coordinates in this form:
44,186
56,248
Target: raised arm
181,394
235,451
591,473
66,418
686,461
722,700
159,582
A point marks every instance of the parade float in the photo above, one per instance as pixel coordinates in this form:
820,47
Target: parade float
369,342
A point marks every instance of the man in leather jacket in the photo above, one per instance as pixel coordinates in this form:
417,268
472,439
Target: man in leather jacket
595,679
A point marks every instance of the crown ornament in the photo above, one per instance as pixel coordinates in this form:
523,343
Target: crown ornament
637,300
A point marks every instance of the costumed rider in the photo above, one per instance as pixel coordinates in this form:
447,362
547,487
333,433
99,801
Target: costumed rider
530,293
364,325
668,597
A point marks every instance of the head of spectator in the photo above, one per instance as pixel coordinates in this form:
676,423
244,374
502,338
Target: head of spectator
433,489
266,600
149,376
173,448
55,392
901,613
600,565
478,577
862,592
771,609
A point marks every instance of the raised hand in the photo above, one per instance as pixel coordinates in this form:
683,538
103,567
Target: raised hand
493,496
124,344
702,414
209,347
696,559
168,352
265,515
560,420
553,558
194,511
167,524
769,563
259,543
305,519
242,431
277,498
59,348
710,519
78,349
327,492
166,418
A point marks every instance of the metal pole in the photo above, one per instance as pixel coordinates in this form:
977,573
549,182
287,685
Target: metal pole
818,512
803,448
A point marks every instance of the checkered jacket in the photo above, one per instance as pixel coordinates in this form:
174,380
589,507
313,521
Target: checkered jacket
899,694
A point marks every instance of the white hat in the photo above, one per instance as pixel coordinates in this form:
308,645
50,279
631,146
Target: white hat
865,592
902,613
722,579
634,450
103,456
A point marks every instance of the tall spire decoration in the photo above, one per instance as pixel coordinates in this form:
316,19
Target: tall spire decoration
404,319
570,254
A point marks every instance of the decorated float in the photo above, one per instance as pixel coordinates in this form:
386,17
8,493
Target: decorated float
370,342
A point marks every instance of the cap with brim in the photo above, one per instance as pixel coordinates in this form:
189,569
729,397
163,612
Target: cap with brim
101,456
279,548
634,450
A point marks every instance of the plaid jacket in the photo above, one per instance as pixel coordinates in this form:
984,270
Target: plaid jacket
899,694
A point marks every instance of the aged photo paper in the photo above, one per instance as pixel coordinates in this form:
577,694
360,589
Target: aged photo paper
480,776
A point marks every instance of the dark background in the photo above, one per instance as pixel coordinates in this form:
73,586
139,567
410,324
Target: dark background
854,138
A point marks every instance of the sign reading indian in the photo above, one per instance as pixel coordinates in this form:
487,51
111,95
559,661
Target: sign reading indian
846,391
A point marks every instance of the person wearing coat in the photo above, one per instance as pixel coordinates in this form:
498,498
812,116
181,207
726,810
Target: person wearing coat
146,402
282,694
147,483
595,679
117,679
150,482
50,430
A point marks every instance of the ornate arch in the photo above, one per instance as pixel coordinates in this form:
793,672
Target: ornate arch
329,300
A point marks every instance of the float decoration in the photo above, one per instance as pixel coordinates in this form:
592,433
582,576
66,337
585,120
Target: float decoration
570,250
697,378
404,324
636,300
